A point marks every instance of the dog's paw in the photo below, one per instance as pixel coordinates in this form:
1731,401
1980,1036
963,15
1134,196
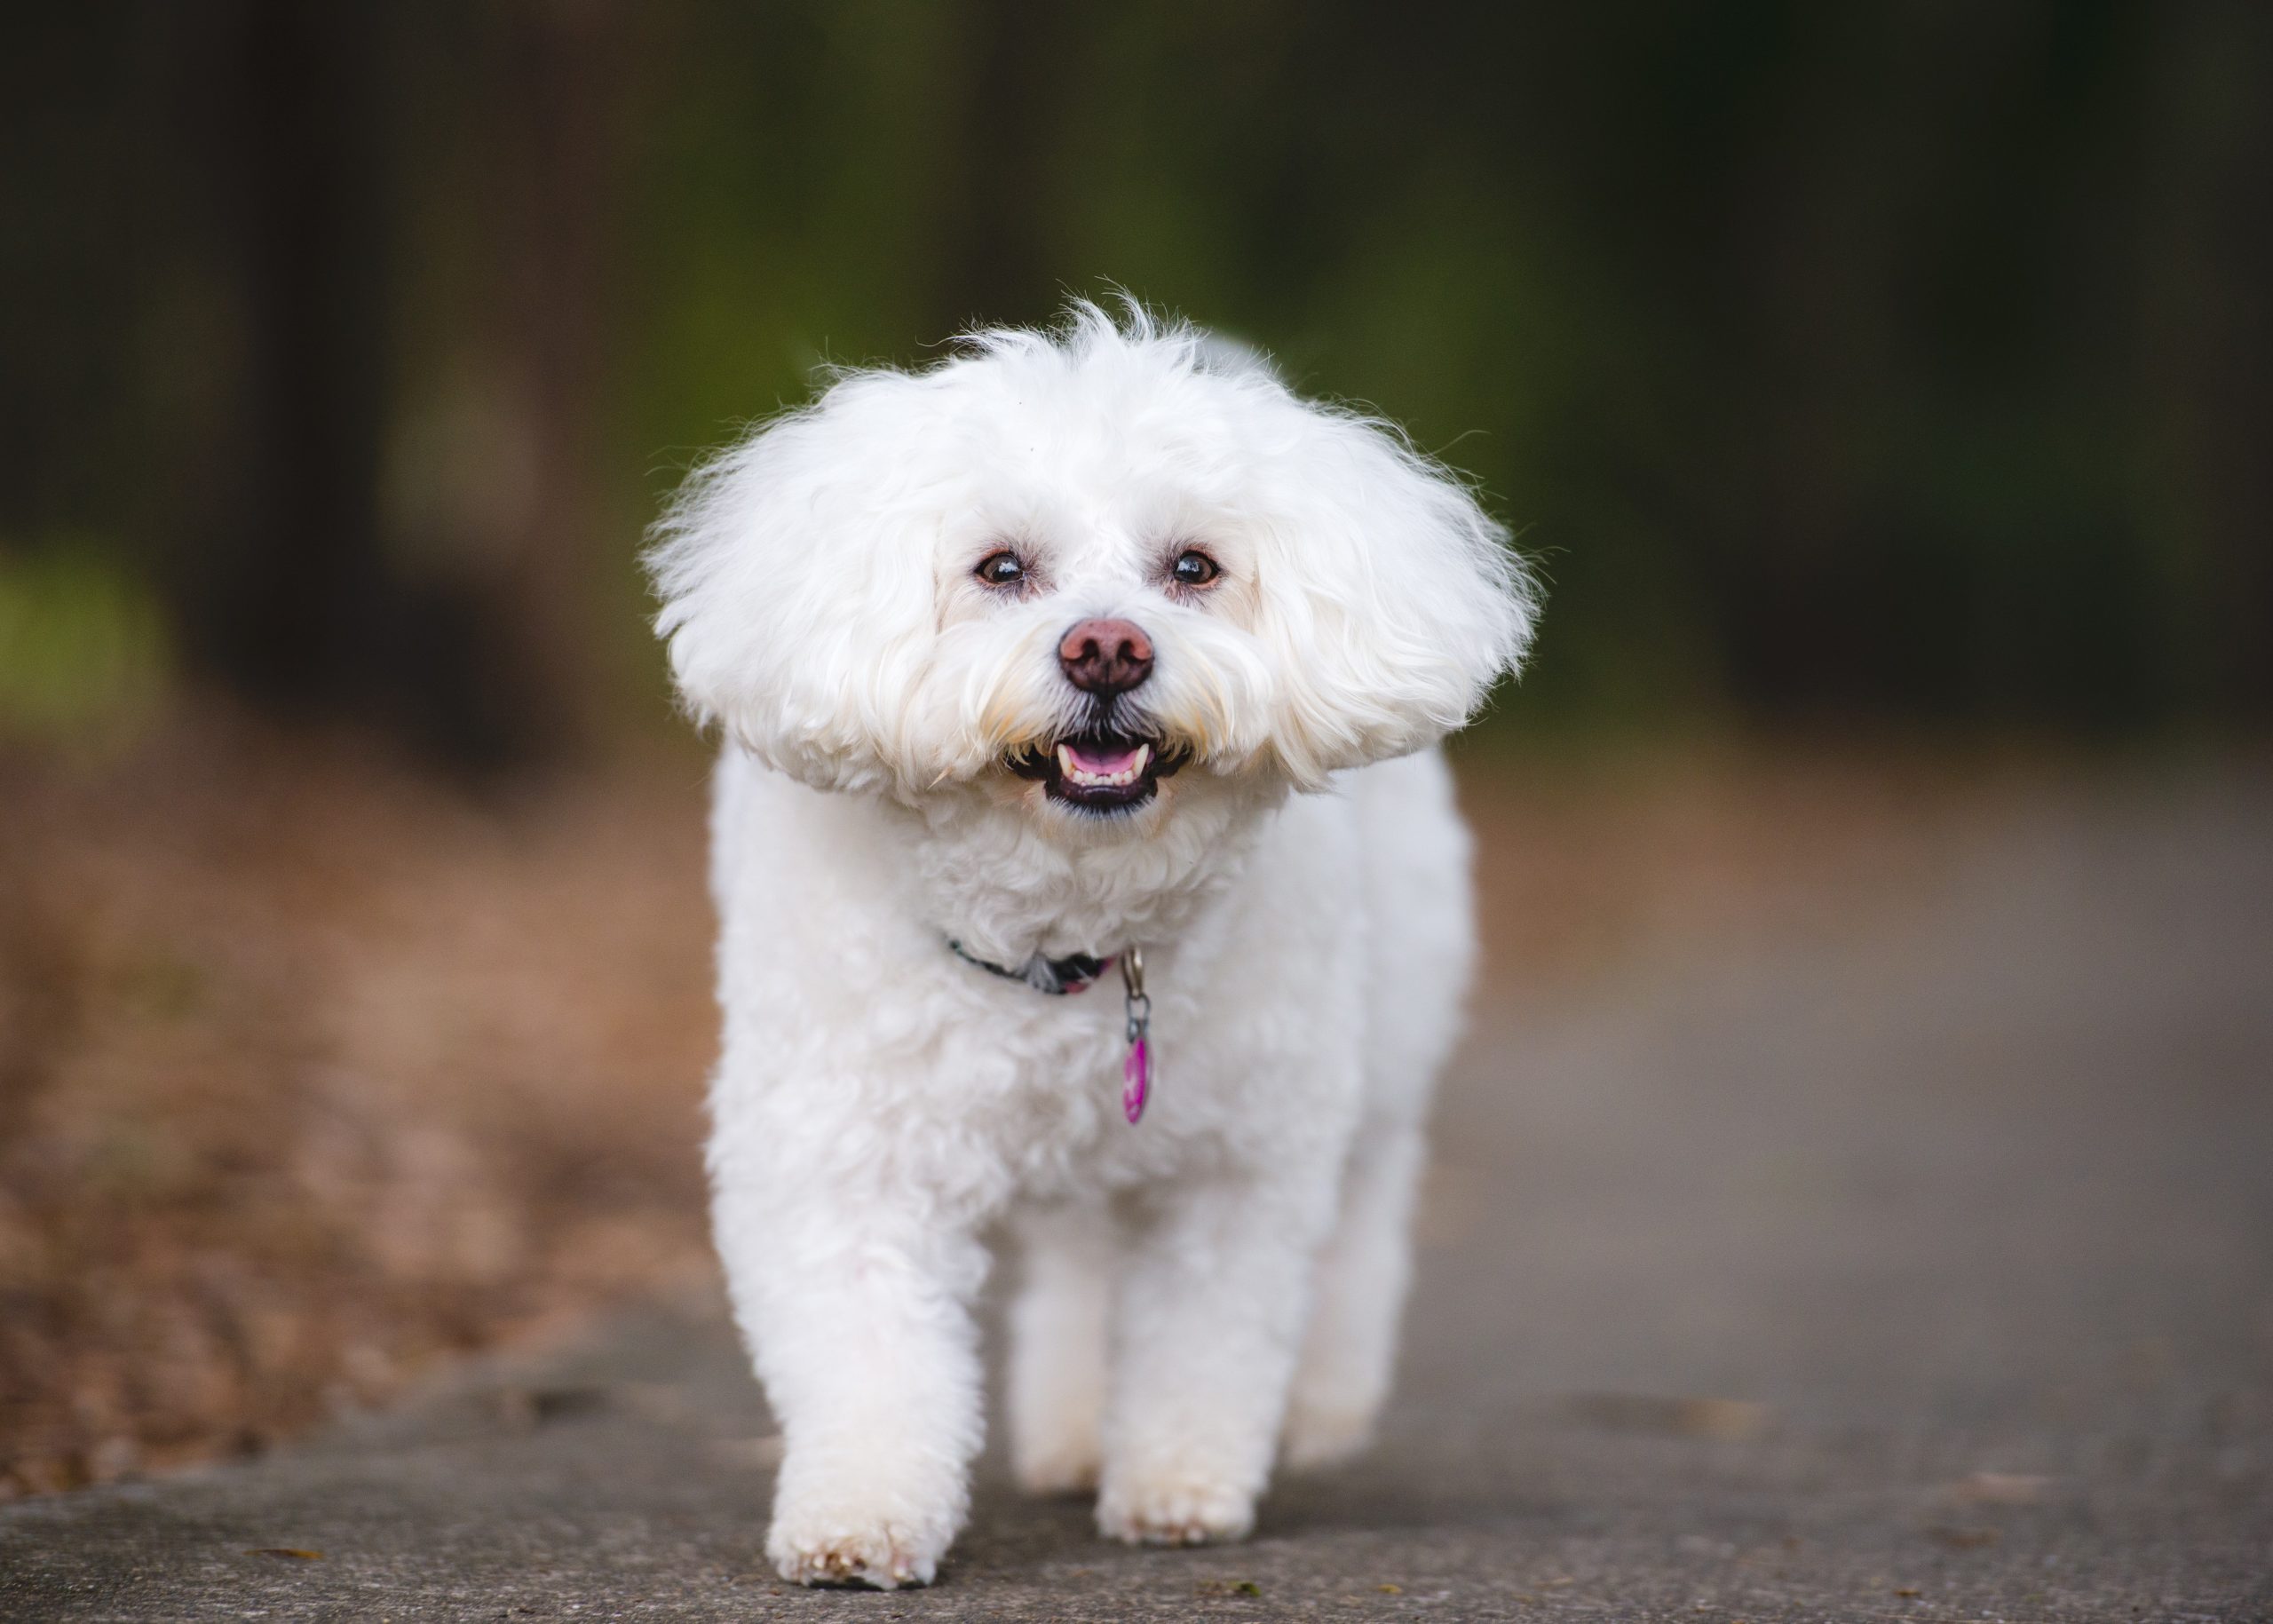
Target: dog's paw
1169,1510
1321,1434
809,1549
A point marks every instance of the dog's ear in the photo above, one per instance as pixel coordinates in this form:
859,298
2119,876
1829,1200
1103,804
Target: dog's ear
1390,600
795,581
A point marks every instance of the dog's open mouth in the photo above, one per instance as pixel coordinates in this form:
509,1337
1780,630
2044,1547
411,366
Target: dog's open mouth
1098,771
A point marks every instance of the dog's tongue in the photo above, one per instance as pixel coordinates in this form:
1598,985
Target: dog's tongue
1102,765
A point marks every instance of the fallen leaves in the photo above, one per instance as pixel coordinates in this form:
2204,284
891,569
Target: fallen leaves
312,1072
1999,1489
1964,1539
1230,1587
1722,1420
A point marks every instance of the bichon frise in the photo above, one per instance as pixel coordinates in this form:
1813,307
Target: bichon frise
1084,863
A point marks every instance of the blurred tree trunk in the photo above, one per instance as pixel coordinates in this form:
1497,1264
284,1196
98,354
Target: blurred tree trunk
562,78
286,592
294,593
994,262
2209,328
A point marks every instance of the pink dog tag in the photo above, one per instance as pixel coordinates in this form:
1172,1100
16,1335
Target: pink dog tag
1136,1071
1137,1081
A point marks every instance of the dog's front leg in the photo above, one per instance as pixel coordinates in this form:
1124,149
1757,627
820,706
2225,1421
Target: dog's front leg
858,1312
1213,1287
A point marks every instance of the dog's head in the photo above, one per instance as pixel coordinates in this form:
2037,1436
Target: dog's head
1068,567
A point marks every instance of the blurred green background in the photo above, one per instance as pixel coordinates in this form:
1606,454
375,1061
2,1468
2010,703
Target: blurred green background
1888,364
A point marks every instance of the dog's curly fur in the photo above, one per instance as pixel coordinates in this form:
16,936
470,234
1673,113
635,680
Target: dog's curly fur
1223,1281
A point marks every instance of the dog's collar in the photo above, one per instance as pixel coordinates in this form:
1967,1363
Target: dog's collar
1072,974
1076,974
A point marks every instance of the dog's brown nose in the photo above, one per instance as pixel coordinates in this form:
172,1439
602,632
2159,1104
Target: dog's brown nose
1106,657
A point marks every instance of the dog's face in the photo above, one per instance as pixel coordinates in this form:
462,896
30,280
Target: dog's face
1079,574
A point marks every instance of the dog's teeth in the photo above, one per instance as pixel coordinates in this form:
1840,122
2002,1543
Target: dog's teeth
1138,761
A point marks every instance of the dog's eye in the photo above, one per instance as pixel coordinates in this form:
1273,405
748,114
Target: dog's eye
1002,569
1194,568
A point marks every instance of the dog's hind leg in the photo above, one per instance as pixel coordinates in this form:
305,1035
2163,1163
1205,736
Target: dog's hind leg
1057,1364
1207,1320
1350,1348
1419,938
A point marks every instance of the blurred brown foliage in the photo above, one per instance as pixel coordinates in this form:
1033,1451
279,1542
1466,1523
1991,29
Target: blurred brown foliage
310,1070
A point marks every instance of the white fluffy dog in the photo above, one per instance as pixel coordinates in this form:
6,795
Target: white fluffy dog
1087,656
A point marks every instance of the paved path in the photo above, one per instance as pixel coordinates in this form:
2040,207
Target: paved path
1925,1271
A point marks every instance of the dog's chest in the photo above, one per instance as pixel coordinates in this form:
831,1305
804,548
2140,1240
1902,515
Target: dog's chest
1039,1081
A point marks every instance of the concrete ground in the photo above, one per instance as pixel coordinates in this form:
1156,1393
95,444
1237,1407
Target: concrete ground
1919,1268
